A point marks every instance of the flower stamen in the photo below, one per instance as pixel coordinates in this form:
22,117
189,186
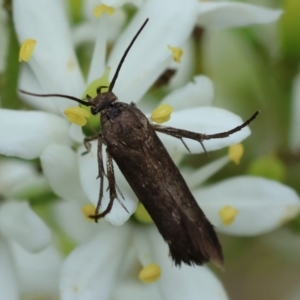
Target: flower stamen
176,53
235,153
26,50
88,210
151,273
228,214
100,9
162,114
77,115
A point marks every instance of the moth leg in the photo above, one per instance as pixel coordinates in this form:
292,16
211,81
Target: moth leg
87,142
112,187
200,137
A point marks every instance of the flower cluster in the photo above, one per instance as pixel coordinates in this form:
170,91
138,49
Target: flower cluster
107,262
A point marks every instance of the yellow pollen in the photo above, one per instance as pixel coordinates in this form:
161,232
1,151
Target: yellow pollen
235,153
142,215
150,273
26,50
176,53
100,9
77,115
228,214
88,210
162,114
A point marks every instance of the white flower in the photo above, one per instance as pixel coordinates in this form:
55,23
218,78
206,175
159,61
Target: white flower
53,68
24,238
262,205
91,270
113,271
223,14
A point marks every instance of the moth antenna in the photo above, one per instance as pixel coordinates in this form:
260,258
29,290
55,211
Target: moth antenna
57,95
112,84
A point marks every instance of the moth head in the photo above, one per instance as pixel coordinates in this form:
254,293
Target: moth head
101,101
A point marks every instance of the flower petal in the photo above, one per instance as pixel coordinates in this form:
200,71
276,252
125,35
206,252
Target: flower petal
26,133
97,64
89,274
20,223
262,204
197,93
54,57
70,218
16,176
170,22
9,289
204,120
191,283
29,82
88,168
195,178
232,14
185,69
60,166
38,272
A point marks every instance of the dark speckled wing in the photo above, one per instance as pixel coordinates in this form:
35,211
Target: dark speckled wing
158,184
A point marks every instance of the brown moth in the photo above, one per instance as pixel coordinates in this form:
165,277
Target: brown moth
131,141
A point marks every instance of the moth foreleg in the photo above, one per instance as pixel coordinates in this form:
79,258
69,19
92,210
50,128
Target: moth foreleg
87,142
112,187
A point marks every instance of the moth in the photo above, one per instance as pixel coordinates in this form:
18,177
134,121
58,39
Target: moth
131,141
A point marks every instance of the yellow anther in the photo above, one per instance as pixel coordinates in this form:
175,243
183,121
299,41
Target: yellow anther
142,215
235,153
88,210
100,9
228,214
77,115
176,53
26,50
150,273
162,114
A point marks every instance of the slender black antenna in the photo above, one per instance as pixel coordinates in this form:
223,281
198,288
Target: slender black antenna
57,95
112,84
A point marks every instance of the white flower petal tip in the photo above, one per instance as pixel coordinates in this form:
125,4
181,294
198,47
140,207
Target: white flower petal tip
248,205
160,30
233,14
60,166
30,132
9,283
17,176
54,58
20,223
198,92
86,274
